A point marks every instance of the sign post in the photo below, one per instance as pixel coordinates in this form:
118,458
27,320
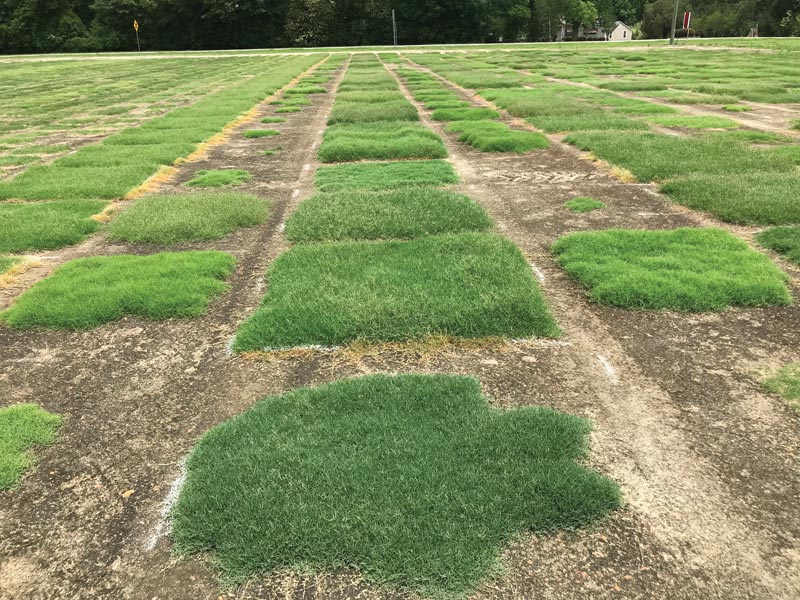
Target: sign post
674,22
394,29
136,29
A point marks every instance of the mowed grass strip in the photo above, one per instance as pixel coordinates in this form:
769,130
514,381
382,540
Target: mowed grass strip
414,480
218,177
397,214
380,141
464,114
6,262
46,225
784,240
22,428
493,136
468,285
385,175
173,218
692,270
259,133
692,122
88,292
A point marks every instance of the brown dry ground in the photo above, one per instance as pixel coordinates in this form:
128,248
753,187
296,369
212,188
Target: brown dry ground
707,462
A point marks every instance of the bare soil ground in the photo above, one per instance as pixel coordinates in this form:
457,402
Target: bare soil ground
707,462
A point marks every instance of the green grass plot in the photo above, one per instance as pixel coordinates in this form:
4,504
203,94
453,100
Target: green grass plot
259,133
784,240
88,292
493,136
397,214
385,175
32,226
414,480
468,285
173,218
786,384
380,141
687,269
22,428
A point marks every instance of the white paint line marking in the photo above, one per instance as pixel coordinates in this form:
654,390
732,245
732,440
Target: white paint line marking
537,272
164,525
314,145
306,167
295,193
282,227
610,371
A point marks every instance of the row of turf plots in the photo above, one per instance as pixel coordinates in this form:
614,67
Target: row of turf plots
50,109
741,176
382,253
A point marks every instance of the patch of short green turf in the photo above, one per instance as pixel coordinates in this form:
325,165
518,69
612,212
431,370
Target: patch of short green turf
688,269
288,109
385,175
380,141
23,427
357,112
272,151
745,199
273,120
784,240
656,157
46,225
259,133
219,177
305,90
173,218
88,292
786,384
464,114
736,108
583,205
693,122
17,160
413,479
493,136
405,213
468,285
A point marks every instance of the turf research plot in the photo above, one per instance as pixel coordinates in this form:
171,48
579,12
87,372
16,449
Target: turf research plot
413,479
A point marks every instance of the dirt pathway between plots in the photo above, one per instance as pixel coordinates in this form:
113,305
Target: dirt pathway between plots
706,460
764,117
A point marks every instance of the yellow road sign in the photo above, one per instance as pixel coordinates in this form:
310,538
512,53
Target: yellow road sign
136,25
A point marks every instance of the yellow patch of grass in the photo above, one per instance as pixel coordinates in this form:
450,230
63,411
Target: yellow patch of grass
8,278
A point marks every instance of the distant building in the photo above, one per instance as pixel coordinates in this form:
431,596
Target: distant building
620,33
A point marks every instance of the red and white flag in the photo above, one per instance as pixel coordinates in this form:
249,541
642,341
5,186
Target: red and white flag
687,19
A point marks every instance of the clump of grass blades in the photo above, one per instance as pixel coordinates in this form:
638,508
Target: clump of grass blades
420,452
305,90
464,114
736,108
385,175
398,214
691,270
467,285
23,427
784,240
273,120
745,199
46,225
219,177
583,205
786,383
288,109
88,292
258,133
379,141
173,218
353,112
493,136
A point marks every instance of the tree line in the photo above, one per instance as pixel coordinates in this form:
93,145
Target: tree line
107,25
